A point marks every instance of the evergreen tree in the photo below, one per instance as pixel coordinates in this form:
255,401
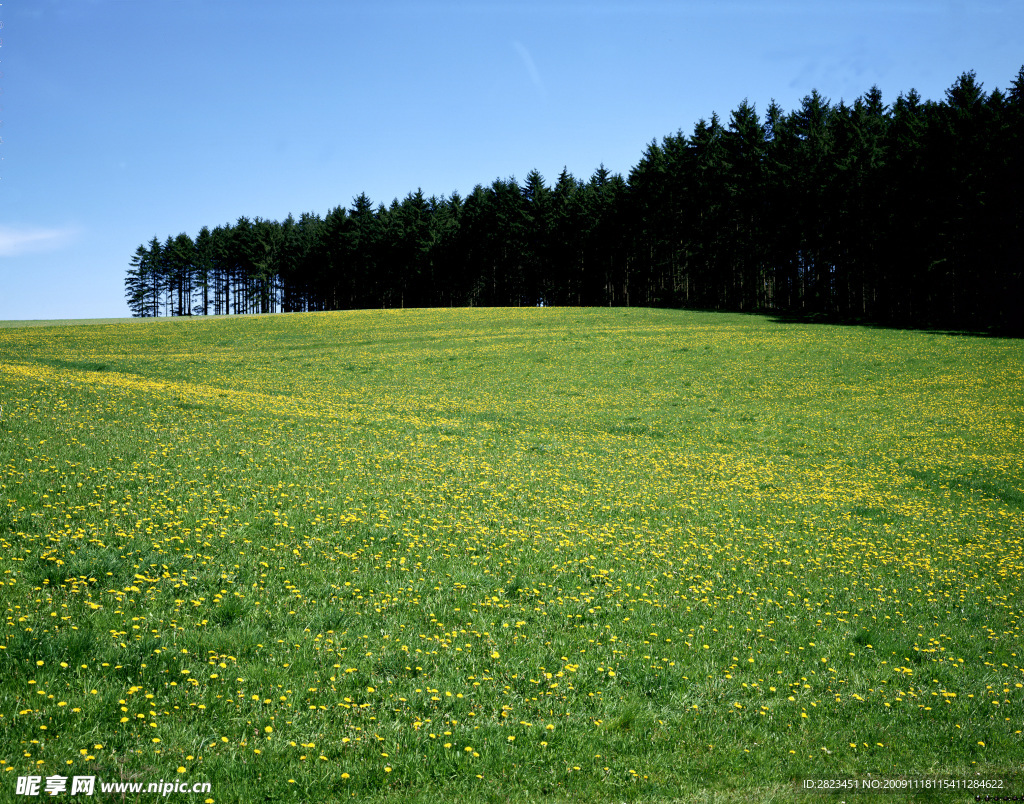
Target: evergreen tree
566,243
179,260
814,202
707,268
1010,262
537,234
745,201
135,283
478,269
204,271
962,143
413,251
223,272
266,256
445,260
361,233
287,268
648,223
906,242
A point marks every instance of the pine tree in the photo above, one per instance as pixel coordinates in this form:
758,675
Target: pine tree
414,279
907,241
537,224
360,244
135,283
814,203
745,201
963,146
290,251
445,260
204,270
707,268
648,225
1011,261
563,282
222,272
179,256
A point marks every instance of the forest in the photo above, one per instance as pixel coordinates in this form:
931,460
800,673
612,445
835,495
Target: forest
904,214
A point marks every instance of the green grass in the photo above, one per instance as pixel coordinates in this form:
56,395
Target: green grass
494,555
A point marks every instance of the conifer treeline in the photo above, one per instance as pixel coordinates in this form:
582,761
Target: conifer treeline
904,214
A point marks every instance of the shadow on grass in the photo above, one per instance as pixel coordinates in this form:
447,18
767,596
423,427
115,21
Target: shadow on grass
1007,331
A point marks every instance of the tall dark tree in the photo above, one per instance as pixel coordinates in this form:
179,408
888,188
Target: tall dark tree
906,241
413,254
961,144
648,225
564,285
180,264
1010,260
814,202
360,235
203,271
859,202
537,215
448,287
136,283
745,201
223,269
706,266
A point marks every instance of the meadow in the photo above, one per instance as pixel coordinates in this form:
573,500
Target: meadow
562,555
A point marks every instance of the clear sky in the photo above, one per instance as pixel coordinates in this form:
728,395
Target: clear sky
125,119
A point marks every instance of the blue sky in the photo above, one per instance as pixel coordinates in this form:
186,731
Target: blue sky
125,119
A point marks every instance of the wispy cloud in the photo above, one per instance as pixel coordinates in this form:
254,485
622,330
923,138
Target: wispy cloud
531,68
15,240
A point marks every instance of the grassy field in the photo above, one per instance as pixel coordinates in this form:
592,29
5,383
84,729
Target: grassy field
510,555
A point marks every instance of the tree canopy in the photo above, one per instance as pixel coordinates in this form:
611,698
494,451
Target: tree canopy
907,213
